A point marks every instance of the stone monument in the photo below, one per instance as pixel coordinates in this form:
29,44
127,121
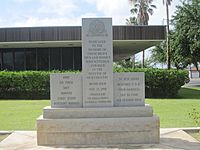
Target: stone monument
97,107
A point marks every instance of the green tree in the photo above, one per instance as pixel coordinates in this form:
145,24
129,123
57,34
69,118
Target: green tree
184,39
142,9
129,63
186,36
159,53
159,56
126,63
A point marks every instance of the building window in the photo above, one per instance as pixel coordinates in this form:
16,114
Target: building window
77,58
19,59
67,58
8,60
55,58
30,59
42,58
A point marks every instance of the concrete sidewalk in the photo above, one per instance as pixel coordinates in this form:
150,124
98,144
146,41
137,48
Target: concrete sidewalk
171,138
194,82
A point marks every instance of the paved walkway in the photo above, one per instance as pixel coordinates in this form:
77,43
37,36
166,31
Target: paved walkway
195,82
171,138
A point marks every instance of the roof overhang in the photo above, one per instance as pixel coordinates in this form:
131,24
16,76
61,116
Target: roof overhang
127,40
121,48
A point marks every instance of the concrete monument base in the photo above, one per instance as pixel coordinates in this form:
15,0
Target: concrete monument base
115,125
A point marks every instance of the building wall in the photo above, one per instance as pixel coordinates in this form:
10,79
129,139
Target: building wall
194,74
65,58
74,33
60,58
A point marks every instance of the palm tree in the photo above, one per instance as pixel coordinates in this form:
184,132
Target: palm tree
167,3
142,8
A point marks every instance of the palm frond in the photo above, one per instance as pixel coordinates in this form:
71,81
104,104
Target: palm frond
153,6
168,2
132,1
131,21
150,11
137,5
150,1
142,8
134,10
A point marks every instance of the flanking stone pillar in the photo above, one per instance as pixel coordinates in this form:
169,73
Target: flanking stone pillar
97,107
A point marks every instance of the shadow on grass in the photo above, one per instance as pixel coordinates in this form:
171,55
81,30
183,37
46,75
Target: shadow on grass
188,93
185,93
195,133
3,136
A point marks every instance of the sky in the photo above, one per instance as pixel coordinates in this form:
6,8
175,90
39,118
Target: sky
29,13
33,13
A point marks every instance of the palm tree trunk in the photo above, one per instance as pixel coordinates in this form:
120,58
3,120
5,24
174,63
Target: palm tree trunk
143,57
133,59
168,40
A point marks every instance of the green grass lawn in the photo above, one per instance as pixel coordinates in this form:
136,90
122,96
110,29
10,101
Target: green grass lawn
22,114
175,112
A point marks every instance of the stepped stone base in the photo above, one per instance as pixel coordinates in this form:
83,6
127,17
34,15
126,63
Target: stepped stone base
106,112
99,126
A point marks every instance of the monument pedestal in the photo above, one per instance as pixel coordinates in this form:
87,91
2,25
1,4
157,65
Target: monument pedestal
98,126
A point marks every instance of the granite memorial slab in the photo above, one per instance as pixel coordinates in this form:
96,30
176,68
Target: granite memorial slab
129,89
65,90
97,60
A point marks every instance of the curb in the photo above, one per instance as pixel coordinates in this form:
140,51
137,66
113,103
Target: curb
5,132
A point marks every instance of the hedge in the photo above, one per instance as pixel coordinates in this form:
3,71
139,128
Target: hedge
25,84
160,83
35,84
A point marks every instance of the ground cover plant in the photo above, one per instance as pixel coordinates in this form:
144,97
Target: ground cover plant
22,114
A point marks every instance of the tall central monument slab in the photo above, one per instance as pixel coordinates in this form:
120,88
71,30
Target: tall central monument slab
97,60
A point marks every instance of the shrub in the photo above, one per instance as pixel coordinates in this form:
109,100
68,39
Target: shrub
159,82
36,85
24,85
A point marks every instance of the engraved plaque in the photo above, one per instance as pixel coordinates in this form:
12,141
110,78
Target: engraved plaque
66,90
129,89
97,59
